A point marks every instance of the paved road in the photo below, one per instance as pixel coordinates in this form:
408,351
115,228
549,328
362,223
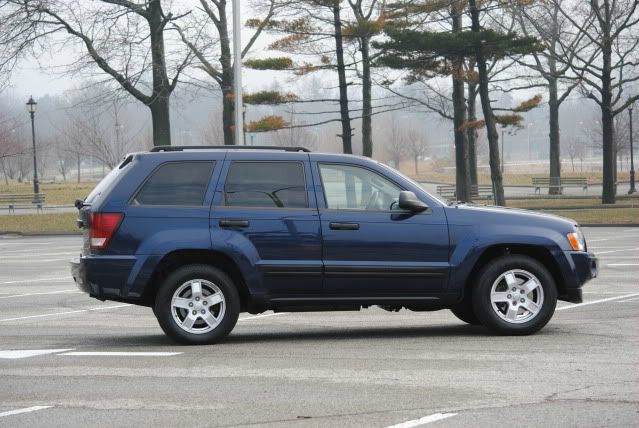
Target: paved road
369,368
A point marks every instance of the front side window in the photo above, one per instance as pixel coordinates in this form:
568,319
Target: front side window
266,184
356,188
176,184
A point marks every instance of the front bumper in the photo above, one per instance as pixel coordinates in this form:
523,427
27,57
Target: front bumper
582,267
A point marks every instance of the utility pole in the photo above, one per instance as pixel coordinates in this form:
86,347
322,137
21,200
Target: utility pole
237,69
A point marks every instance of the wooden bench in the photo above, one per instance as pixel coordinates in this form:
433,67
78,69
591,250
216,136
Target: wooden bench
484,191
22,200
559,183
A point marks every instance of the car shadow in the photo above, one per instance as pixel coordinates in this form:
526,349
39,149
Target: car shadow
346,334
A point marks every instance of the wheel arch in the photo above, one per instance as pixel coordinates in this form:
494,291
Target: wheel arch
538,252
184,257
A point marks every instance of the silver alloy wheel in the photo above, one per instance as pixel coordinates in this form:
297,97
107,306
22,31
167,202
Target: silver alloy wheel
198,306
517,296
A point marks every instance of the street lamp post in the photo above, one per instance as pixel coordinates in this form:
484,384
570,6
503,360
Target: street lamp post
632,158
237,73
31,108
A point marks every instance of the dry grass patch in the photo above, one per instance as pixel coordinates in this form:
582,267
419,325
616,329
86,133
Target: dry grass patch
39,223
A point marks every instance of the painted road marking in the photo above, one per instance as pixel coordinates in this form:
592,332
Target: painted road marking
617,251
122,354
72,291
423,421
27,281
65,313
634,299
27,353
622,264
25,410
262,316
578,305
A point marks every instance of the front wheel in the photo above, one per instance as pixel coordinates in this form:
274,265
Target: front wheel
515,295
197,305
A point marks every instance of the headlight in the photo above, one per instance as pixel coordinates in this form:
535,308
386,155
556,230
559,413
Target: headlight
577,241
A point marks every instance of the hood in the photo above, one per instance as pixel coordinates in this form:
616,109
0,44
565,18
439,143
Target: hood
495,214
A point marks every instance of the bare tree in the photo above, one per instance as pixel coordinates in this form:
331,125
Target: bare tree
544,21
214,53
416,146
608,66
123,38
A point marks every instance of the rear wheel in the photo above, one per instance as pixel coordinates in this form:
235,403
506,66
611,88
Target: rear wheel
515,295
197,304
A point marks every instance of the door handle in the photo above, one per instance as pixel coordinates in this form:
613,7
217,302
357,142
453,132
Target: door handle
344,226
234,223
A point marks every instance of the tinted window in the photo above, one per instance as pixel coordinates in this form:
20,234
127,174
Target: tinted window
355,188
266,184
176,183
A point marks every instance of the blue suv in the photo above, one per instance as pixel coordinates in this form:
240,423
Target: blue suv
201,234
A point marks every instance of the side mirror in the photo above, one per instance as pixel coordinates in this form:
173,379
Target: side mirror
408,201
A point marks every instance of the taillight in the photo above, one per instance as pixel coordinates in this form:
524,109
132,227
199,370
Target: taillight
103,226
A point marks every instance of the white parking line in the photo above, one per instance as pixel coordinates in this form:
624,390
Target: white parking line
25,410
64,313
27,281
634,299
423,421
578,305
72,291
622,264
122,354
27,353
617,251
262,316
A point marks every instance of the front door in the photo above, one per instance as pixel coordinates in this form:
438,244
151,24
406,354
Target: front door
370,247
264,209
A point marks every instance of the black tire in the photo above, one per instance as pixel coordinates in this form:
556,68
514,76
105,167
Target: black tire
483,307
464,311
164,312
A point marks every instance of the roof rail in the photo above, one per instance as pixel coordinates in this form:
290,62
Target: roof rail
182,148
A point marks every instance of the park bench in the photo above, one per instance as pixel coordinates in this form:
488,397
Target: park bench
482,191
22,200
559,183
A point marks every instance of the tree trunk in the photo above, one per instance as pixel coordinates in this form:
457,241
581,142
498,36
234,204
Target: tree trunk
416,164
161,122
78,164
4,172
227,81
489,117
608,195
462,178
367,108
554,151
161,85
471,133
341,74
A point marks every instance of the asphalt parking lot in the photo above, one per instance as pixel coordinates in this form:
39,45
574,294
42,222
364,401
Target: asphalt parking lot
68,360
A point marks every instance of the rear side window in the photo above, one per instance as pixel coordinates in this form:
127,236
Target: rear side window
266,184
176,184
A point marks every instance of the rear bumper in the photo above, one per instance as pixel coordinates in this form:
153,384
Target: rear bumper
580,267
103,277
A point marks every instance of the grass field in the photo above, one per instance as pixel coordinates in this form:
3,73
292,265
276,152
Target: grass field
39,223
515,179
615,216
56,193
569,203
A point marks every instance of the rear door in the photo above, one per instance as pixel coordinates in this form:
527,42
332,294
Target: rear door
265,209
369,247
